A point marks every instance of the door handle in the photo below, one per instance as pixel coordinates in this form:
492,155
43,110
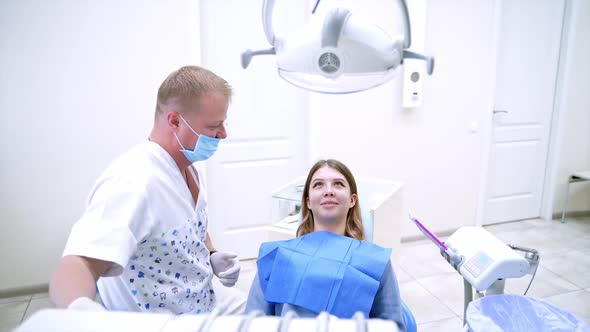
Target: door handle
500,111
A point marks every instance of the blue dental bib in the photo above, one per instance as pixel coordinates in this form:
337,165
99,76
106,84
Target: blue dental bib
322,271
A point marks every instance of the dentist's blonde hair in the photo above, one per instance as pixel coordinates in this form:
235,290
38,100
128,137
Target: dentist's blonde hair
191,82
354,225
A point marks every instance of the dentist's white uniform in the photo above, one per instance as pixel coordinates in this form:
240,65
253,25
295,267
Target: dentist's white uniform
141,216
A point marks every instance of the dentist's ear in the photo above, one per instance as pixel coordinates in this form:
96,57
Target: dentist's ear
173,119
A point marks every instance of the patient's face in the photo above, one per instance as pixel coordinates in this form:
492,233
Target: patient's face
329,196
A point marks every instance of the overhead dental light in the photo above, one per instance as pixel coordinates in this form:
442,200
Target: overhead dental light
339,53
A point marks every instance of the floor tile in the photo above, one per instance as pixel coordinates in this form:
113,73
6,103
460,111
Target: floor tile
36,305
419,250
247,273
578,303
11,314
424,306
581,243
245,280
445,325
420,269
448,289
548,240
573,266
423,260
581,224
546,283
9,326
402,276
15,299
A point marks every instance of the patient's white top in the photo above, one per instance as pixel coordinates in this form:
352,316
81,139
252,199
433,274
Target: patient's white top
141,216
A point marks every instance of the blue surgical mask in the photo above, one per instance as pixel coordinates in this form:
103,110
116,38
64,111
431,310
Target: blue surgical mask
204,148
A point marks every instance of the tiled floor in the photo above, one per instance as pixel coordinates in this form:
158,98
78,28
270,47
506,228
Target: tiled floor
433,290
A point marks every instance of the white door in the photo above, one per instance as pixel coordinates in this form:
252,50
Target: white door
527,61
267,125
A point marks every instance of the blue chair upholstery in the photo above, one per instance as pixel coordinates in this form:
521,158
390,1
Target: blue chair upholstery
409,318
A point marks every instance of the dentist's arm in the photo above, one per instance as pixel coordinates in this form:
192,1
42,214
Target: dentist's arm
209,243
76,278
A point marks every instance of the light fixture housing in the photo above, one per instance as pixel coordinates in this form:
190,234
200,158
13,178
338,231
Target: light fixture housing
337,53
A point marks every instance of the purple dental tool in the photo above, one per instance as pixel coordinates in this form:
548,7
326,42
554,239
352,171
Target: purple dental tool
429,235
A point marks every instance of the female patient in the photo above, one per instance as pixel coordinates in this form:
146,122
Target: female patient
328,267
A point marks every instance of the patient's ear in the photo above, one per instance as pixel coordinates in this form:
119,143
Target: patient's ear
353,199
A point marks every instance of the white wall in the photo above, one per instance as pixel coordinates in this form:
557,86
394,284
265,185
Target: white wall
78,84
572,142
436,150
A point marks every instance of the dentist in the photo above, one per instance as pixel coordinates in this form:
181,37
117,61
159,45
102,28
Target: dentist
143,240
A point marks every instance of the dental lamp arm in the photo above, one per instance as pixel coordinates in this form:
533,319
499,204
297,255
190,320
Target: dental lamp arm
407,30
408,41
267,9
429,60
248,54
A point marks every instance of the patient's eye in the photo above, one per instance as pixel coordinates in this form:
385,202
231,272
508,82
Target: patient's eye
316,184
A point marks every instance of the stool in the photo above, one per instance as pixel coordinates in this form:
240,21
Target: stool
575,177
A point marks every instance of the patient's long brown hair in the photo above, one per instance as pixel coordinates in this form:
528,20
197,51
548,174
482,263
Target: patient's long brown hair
354,225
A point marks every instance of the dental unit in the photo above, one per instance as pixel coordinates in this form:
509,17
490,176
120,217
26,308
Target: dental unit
484,261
